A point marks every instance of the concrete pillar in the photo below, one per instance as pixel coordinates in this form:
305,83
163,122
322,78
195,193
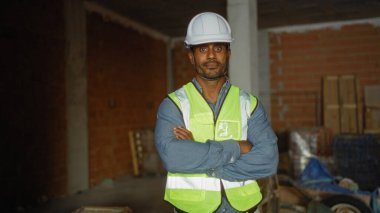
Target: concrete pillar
76,96
242,16
264,92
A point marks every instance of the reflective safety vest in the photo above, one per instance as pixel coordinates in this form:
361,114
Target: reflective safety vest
200,193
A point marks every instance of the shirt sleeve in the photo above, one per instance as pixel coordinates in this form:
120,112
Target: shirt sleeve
187,156
262,160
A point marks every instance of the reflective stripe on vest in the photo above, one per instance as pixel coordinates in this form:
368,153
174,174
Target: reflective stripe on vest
229,184
197,183
198,192
245,103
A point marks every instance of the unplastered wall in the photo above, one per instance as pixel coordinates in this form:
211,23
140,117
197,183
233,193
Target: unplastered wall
301,56
183,71
126,83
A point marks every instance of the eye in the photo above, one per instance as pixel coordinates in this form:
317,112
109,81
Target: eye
203,49
219,48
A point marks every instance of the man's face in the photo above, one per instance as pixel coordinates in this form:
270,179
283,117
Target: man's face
210,60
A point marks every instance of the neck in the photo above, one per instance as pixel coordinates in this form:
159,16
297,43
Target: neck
211,88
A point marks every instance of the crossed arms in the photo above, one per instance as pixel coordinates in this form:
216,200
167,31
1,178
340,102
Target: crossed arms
231,160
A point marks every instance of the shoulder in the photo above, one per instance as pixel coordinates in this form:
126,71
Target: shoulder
245,93
167,106
252,102
171,102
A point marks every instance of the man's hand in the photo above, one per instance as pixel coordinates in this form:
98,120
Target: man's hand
182,133
245,147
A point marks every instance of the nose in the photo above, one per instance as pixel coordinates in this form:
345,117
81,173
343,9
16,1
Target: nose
211,53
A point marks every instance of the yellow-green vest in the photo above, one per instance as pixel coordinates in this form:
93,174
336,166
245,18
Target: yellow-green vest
200,193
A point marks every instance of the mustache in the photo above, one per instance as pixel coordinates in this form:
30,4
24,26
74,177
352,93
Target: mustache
211,61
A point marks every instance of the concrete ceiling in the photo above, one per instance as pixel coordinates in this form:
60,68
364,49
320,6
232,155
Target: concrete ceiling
170,17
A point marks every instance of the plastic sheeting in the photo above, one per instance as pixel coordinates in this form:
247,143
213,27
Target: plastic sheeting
302,144
316,176
305,143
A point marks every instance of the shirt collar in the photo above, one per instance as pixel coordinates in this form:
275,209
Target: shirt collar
225,86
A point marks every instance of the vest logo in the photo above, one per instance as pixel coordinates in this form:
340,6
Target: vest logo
227,129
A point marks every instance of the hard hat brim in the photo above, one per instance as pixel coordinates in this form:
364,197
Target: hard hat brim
207,40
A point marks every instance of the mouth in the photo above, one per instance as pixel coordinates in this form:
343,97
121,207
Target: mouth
211,65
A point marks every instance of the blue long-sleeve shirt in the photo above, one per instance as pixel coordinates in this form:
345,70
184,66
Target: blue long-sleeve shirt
221,159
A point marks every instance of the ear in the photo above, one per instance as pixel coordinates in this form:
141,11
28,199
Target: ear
190,55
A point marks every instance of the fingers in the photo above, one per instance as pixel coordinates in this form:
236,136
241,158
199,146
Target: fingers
182,133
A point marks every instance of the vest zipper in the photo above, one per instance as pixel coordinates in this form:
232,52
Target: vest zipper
221,105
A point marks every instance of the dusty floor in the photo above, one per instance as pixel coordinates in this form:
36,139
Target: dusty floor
142,195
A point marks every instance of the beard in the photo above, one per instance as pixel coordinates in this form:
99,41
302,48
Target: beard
215,72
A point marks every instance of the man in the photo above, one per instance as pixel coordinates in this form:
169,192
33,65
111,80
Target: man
213,138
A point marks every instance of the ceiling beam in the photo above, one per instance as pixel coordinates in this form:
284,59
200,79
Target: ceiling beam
110,15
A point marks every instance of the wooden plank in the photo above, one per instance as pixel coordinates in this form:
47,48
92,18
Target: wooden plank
135,160
348,104
331,115
360,112
349,120
330,90
103,209
372,108
145,158
372,117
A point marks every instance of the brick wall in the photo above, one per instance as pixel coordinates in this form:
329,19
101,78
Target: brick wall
183,71
126,83
32,110
299,61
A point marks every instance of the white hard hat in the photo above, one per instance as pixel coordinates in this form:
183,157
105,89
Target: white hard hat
206,28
